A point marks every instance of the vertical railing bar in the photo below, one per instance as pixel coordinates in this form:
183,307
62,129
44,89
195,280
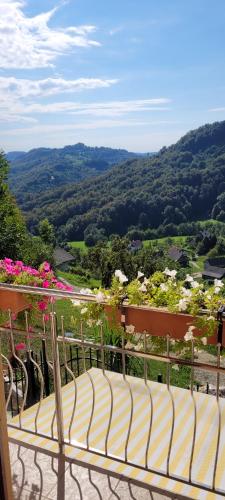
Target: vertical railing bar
17,395
78,361
21,408
71,374
110,388
5,469
92,385
195,411
151,402
39,372
172,402
219,417
131,396
50,366
57,382
10,370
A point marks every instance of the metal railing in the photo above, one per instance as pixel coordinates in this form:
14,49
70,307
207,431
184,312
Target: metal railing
61,362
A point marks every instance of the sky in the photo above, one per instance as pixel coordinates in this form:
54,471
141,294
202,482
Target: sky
120,73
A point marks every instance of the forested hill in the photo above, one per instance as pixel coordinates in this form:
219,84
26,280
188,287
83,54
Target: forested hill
46,168
182,183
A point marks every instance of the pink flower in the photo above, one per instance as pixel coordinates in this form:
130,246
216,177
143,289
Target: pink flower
46,317
20,347
19,263
45,284
14,316
7,260
42,306
46,267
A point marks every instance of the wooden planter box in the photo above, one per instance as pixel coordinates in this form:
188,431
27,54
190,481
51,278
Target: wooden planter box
158,322
15,301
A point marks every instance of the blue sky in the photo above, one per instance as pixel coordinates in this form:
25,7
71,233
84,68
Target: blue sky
129,74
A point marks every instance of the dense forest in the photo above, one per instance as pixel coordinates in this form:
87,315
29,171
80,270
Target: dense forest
181,184
45,168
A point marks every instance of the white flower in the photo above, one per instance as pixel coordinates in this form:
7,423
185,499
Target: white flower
204,340
130,329
164,287
75,302
172,341
129,345
138,347
84,310
175,367
186,292
182,305
90,322
143,288
218,283
140,275
217,289
209,297
210,318
99,322
194,284
171,274
189,278
100,297
86,291
121,277
189,334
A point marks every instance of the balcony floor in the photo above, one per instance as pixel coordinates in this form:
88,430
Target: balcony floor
206,433
38,475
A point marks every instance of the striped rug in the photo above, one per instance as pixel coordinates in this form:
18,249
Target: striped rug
136,396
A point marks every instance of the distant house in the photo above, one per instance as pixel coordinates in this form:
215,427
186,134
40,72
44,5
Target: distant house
135,245
62,258
178,255
211,273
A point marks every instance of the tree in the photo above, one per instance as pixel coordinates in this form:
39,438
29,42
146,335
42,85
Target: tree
12,226
46,232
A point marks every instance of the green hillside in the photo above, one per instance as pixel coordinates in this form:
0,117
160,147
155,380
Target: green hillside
179,185
45,168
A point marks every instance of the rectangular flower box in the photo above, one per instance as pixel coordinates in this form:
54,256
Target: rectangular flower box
158,322
15,301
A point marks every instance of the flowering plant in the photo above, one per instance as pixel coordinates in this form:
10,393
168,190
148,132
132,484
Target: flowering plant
163,290
17,273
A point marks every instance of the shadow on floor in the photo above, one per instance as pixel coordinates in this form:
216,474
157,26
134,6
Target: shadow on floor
39,475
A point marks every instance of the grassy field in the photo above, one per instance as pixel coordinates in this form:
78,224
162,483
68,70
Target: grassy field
213,222
77,280
176,240
78,244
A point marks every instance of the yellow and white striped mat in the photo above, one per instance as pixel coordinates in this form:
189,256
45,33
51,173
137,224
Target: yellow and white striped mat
206,430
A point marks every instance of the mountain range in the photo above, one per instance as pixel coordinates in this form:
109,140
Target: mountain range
45,168
179,185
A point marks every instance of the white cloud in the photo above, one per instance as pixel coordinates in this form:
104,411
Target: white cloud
29,42
111,108
50,130
217,110
15,88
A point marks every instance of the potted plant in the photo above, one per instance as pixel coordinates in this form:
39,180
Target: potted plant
17,273
161,305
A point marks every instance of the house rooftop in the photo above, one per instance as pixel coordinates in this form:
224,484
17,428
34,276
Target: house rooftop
175,253
213,272
61,256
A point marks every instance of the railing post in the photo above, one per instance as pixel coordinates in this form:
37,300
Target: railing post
31,396
57,383
45,369
6,492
